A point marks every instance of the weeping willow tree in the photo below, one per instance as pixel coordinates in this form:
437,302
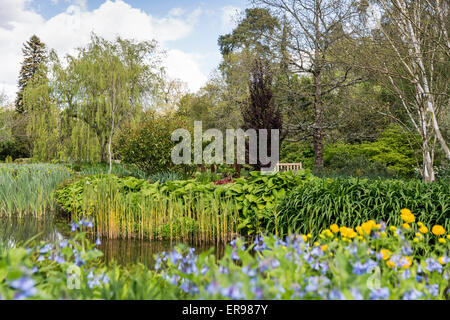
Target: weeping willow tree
42,116
104,86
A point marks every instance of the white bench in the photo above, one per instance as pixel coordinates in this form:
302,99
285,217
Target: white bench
289,166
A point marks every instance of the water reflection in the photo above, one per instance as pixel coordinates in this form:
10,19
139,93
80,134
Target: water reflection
16,231
133,251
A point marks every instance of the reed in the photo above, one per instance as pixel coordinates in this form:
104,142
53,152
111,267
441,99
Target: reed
29,188
189,219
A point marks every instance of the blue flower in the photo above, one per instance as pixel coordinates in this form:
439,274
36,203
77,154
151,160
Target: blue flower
412,294
204,270
356,294
259,244
433,265
98,242
46,248
234,255
405,274
25,286
407,251
249,271
433,289
336,295
59,259
379,294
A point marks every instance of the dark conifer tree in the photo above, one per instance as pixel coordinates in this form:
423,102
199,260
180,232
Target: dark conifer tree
35,53
261,111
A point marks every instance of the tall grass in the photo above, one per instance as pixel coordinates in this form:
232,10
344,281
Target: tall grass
28,188
189,219
349,202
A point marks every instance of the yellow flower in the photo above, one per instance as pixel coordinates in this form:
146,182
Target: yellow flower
406,226
442,240
367,226
359,230
407,216
385,253
405,212
334,228
393,228
441,260
316,243
360,237
448,237
348,232
416,240
419,235
423,229
327,233
324,247
438,230
305,238
420,224
390,263
309,235
408,262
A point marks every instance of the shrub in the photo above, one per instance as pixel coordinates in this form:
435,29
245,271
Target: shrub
148,144
390,154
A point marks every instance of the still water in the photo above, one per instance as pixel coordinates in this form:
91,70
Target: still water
14,231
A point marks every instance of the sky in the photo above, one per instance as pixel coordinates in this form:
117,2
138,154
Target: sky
186,29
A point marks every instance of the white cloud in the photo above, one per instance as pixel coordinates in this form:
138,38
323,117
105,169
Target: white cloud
228,16
71,29
184,66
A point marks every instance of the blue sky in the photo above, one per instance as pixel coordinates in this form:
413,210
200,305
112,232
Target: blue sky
187,30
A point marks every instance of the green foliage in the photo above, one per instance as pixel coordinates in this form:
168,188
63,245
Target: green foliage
148,144
315,205
121,170
391,152
163,177
258,195
254,197
294,152
28,189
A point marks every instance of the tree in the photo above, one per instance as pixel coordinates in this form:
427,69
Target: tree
261,113
35,53
42,115
107,84
313,30
409,57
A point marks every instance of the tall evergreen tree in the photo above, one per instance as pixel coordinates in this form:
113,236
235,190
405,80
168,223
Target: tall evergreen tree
35,53
261,112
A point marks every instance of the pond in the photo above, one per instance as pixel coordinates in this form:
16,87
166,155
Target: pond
53,228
